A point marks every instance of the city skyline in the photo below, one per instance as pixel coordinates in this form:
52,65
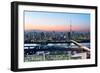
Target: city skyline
52,21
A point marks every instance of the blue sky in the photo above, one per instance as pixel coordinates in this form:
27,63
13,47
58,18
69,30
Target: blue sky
77,20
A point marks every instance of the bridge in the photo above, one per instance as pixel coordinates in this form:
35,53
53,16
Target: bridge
80,46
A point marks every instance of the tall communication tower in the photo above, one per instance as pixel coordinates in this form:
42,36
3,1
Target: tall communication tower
70,30
69,33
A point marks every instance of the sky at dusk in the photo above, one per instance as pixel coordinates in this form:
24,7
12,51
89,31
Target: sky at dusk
56,21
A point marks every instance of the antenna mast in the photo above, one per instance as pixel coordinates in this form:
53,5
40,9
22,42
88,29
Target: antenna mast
70,29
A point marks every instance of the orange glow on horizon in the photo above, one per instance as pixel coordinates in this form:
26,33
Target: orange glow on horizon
54,27
46,27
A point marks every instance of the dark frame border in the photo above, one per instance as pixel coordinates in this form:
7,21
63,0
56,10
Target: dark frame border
14,35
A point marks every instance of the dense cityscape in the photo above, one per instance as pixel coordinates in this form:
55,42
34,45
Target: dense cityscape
39,36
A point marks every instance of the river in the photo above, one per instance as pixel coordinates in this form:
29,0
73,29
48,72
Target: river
66,45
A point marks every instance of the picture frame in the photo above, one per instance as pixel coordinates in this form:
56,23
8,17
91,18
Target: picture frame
48,36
